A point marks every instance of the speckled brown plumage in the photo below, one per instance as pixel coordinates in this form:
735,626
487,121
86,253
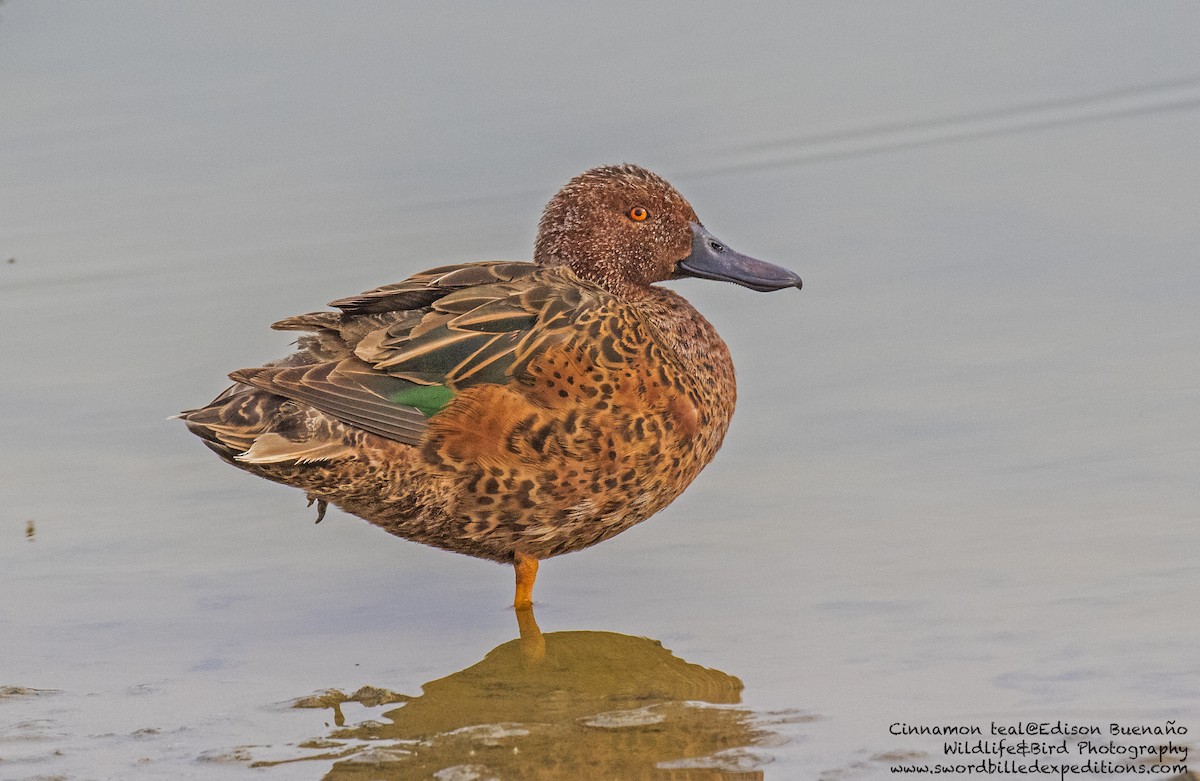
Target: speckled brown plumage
508,409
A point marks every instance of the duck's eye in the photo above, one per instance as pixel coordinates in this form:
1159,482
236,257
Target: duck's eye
637,214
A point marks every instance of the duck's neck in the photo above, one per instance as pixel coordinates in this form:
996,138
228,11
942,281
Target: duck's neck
693,338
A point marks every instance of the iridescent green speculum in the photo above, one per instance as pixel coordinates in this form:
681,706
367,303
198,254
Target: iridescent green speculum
429,399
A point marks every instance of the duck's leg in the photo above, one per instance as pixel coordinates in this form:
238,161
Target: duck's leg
526,568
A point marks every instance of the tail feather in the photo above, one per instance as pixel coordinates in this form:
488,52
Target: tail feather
251,426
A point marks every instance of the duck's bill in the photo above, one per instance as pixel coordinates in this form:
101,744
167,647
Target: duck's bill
711,259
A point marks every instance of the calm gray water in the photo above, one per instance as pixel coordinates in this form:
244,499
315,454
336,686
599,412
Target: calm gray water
962,486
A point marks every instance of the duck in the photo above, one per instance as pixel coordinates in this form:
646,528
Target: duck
508,410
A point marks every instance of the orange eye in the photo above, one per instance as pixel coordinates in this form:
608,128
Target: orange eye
637,214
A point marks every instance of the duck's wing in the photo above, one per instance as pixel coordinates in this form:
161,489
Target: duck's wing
397,355
421,290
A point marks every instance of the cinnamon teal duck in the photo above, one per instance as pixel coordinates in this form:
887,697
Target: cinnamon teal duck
512,411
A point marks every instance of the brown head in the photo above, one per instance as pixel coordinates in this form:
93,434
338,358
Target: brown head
624,228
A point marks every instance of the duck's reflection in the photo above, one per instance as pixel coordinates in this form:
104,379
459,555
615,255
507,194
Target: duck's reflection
565,705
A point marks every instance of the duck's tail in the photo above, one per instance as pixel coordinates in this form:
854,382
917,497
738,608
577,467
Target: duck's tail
245,425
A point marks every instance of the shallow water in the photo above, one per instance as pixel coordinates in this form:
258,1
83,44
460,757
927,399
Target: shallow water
961,487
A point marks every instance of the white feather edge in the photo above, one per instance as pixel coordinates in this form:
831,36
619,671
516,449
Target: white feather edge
272,448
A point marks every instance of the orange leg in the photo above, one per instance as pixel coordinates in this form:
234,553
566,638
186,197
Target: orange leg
526,567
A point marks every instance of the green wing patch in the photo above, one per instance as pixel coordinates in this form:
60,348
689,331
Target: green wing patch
429,399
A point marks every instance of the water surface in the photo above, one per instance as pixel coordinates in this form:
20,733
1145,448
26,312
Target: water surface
961,486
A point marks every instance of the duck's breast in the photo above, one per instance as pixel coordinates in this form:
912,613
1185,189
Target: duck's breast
600,429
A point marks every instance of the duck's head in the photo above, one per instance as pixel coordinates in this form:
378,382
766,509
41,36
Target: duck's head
624,228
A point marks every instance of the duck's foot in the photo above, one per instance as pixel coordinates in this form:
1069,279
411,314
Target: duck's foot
322,506
526,568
